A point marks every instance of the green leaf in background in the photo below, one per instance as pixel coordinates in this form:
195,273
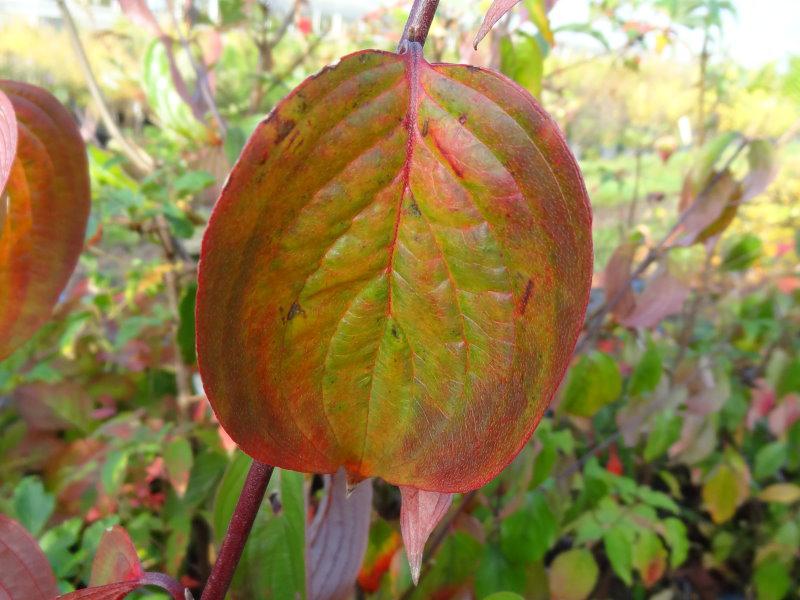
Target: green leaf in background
769,459
725,489
193,182
789,379
178,461
207,469
114,470
618,545
496,574
57,544
504,596
527,535
173,113
664,431
272,565
648,371
772,580
593,382
649,557
537,12
186,330
677,539
455,564
742,253
573,575
523,61
33,506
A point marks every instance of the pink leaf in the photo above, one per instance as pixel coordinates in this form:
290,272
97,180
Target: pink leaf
25,573
709,209
8,143
783,416
138,12
116,559
420,512
616,280
337,538
663,296
496,11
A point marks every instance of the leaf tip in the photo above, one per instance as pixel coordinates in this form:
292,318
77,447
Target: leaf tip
420,512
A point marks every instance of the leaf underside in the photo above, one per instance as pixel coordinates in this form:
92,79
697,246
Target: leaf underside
395,275
25,573
43,211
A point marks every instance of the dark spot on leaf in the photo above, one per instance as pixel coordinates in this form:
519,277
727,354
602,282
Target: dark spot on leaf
462,119
284,128
394,332
526,296
425,127
413,208
294,310
275,503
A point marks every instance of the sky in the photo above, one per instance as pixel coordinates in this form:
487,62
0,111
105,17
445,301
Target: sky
763,31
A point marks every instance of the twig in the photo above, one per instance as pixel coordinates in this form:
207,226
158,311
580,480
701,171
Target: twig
141,161
244,515
419,23
685,337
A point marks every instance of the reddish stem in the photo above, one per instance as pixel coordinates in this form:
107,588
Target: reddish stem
255,486
419,23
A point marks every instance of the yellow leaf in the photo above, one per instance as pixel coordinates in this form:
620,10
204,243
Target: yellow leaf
783,493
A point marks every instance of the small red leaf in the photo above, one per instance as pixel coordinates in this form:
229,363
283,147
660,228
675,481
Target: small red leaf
337,538
25,573
420,512
117,571
116,559
496,12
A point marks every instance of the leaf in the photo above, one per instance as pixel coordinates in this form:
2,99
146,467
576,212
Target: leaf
8,146
647,374
662,297
772,580
43,211
504,596
495,573
409,305
32,504
420,512
650,557
117,571
138,12
496,11
763,168
336,539
537,13
711,211
617,279
594,381
116,559
781,493
186,329
725,490
178,460
620,554
526,535
678,540
522,60
25,573
742,253
769,460
114,470
573,575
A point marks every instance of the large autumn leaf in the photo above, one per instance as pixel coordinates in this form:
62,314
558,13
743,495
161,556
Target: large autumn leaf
395,275
43,207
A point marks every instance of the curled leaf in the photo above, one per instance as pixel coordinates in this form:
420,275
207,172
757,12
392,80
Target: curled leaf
420,512
25,573
763,168
710,212
44,209
496,11
337,538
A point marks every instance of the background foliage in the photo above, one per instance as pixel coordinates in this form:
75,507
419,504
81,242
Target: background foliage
669,464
